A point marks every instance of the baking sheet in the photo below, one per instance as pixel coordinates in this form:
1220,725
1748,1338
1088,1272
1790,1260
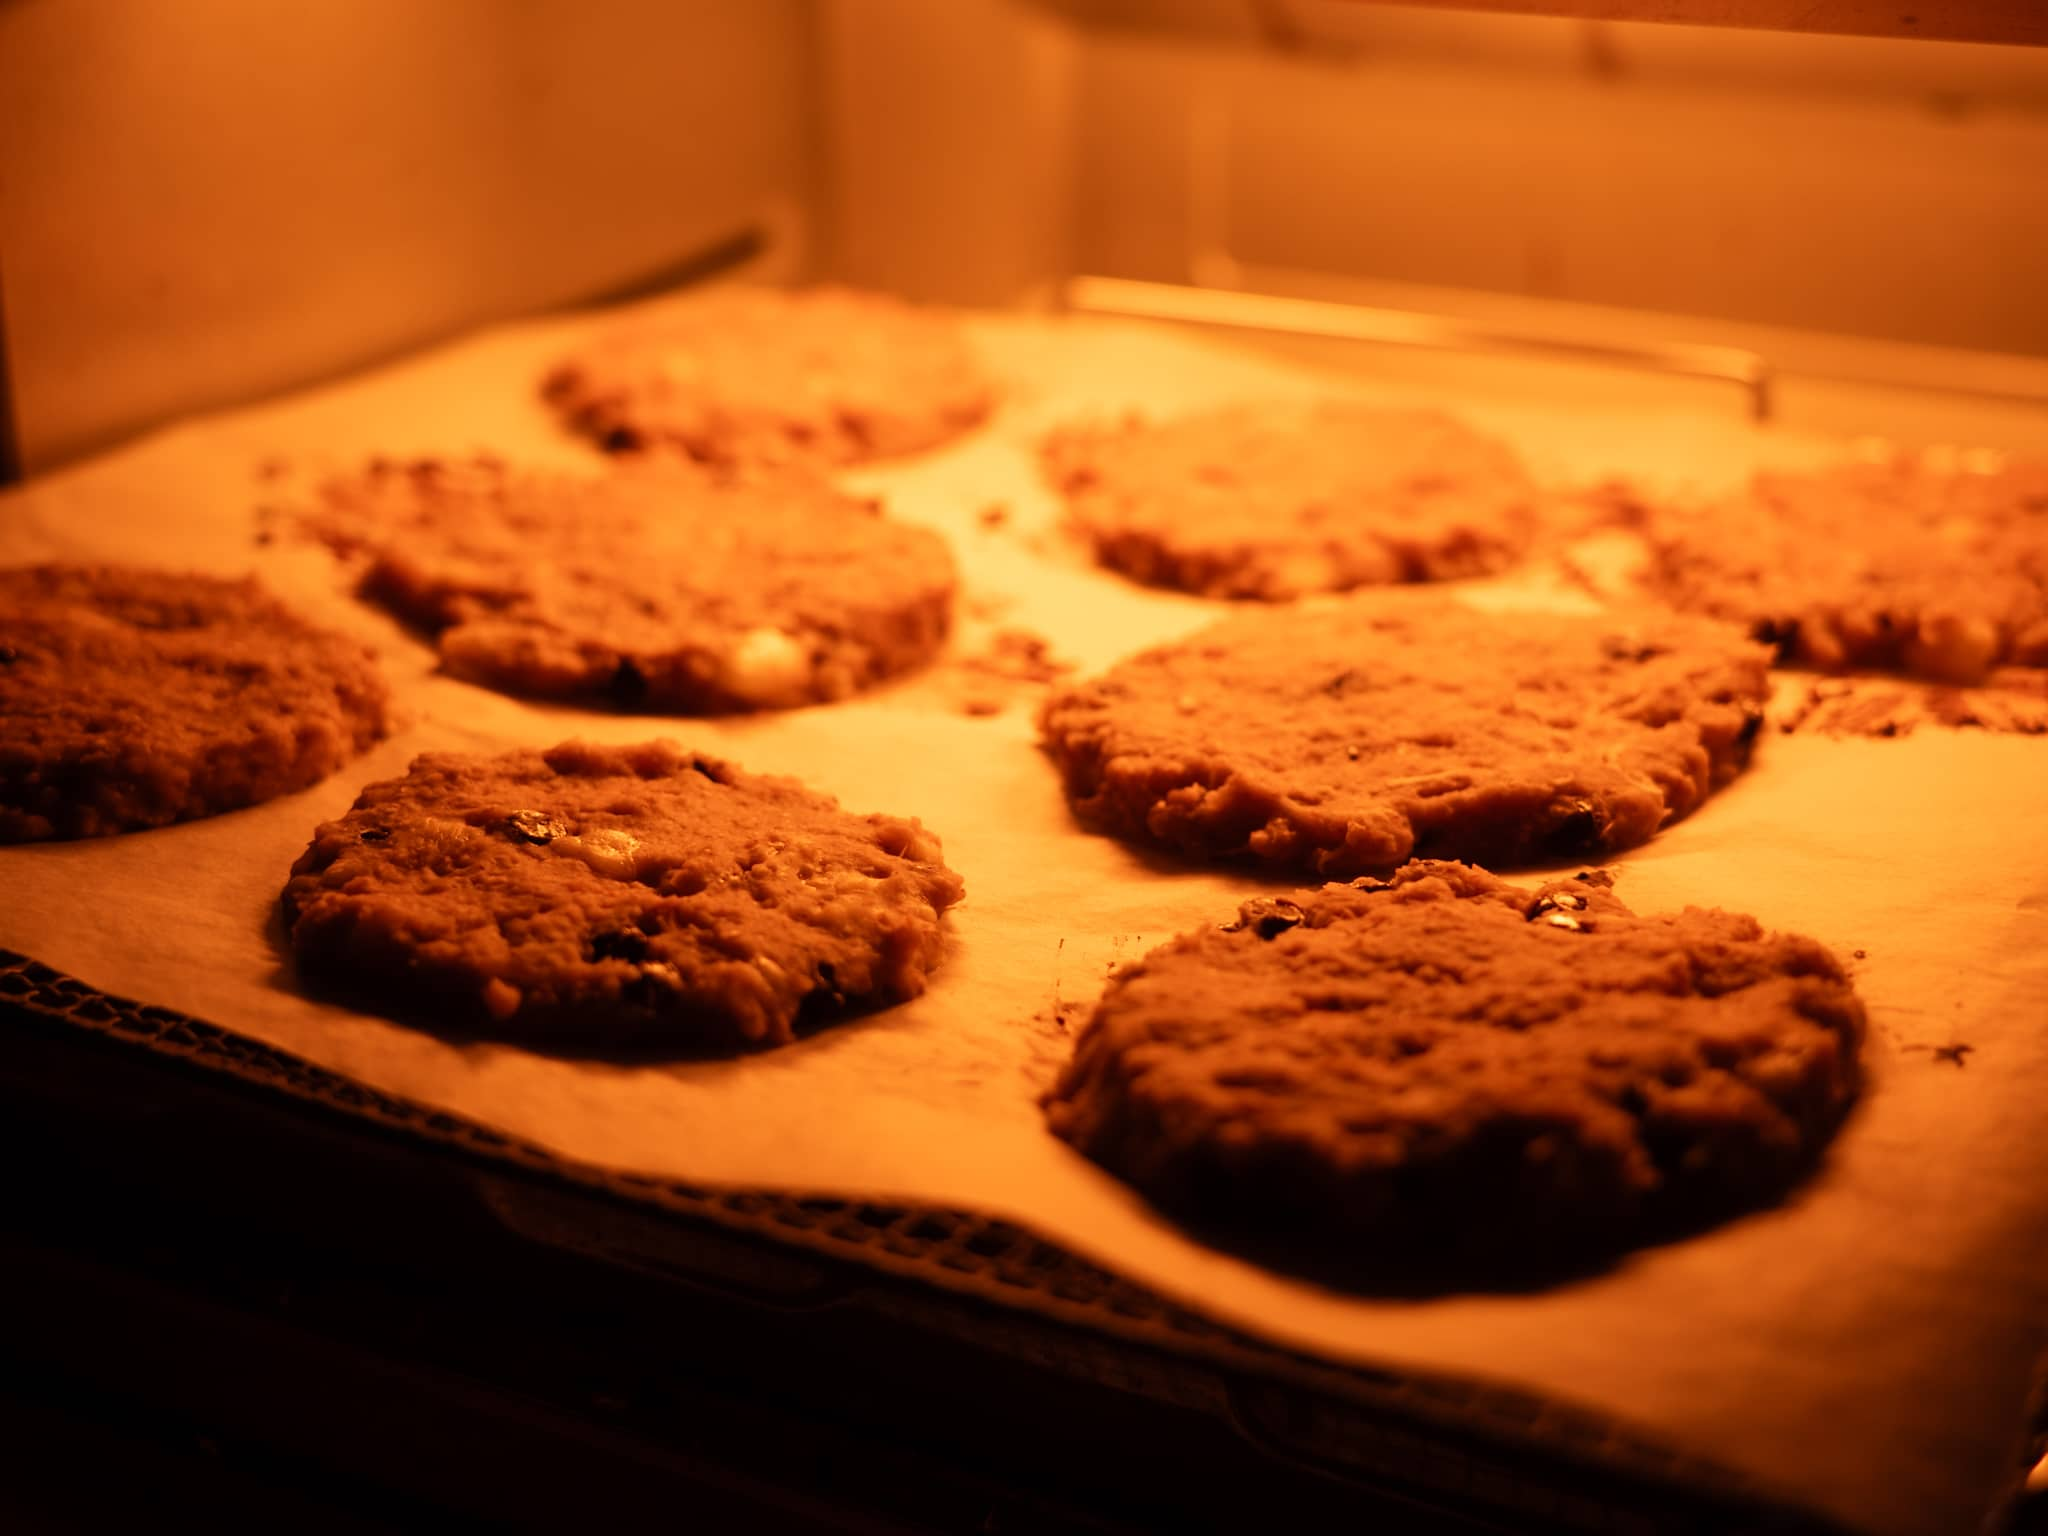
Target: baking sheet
1866,1349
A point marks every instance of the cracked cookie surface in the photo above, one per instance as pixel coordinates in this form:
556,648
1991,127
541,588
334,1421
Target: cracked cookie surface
1902,565
1470,1067
596,896
756,375
658,586
134,698
1279,500
1344,739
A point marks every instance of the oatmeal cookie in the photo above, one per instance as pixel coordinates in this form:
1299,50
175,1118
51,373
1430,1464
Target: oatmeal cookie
1903,565
657,586
133,698
598,896
1275,501
1345,739
752,375
1457,1067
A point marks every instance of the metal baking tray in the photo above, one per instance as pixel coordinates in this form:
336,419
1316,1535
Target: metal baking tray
320,1274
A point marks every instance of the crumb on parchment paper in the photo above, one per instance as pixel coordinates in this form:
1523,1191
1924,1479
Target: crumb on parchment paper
2013,700
1952,1053
987,679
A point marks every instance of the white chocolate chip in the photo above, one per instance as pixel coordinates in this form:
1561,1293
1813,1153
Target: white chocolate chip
608,850
663,972
843,882
767,666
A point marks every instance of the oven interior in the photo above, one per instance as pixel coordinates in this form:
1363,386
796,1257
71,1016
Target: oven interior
1835,230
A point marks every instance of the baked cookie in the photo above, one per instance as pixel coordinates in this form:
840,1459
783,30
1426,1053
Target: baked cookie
1445,1066
1277,500
657,586
753,375
134,698
615,895
1347,738
1899,565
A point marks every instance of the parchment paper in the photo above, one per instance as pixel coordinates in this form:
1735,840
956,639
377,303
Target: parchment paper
1865,1349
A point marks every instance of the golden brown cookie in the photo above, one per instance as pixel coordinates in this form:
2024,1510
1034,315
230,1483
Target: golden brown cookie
1445,1067
756,375
1278,500
133,698
1900,565
599,896
656,586
1347,738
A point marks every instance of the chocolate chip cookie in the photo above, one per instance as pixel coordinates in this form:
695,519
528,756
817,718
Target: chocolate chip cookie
655,586
1274,501
134,698
1344,739
751,375
596,896
1447,1067
1905,565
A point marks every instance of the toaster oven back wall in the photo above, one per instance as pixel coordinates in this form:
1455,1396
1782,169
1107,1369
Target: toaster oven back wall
209,202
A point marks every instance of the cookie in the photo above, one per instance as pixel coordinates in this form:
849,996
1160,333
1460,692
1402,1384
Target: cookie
1449,1067
135,698
1903,565
753,375
598,896
1275,501
1346,738
657,586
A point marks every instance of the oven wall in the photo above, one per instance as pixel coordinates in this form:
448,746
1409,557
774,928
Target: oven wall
1875,188
1739,182
948,146
210,200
